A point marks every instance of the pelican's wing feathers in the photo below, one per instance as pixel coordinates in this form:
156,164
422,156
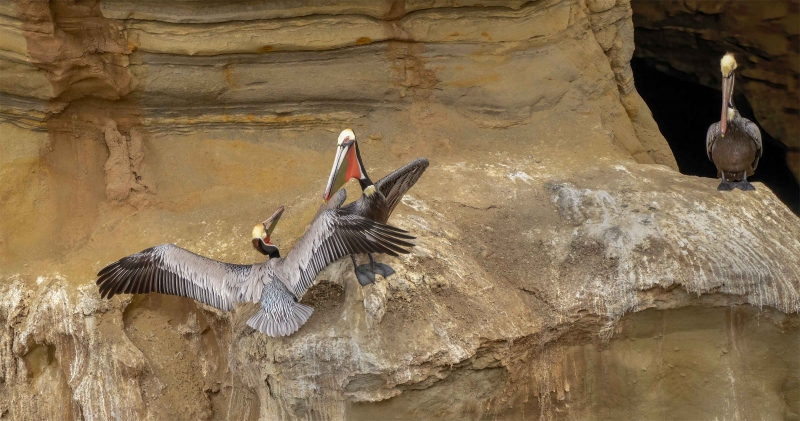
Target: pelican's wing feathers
396,184
333,235
169,269
335,203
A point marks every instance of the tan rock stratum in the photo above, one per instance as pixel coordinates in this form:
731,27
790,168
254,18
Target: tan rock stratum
563,270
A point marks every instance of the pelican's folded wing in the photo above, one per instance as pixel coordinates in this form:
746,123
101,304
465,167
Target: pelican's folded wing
335,234
169,269
753,131
711,136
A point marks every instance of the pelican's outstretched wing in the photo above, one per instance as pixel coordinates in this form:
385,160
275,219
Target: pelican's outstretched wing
169,269
396,184
332,235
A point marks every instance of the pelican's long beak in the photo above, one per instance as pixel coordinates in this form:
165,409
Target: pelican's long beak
345,167
272,221
727,93
263,231
727,66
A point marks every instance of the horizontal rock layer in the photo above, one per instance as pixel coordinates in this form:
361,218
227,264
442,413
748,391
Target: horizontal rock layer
261,65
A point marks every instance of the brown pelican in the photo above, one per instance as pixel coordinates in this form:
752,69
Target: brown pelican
377,201
734,142
278,284
261,236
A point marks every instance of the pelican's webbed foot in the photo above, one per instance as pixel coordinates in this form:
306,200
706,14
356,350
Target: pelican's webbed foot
725,186
368,274
744,184
364,275
383,270
380,269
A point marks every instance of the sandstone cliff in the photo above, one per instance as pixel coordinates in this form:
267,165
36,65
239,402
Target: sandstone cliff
563,270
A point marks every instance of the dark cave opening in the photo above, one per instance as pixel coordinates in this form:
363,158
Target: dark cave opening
684,110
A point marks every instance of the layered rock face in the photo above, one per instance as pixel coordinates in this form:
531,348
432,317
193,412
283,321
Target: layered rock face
563,269
687,38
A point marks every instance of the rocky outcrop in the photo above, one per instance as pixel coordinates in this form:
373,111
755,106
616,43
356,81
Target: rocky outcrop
558,266
687,38
471,325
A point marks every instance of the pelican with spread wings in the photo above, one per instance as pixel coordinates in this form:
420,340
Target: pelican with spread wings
277,284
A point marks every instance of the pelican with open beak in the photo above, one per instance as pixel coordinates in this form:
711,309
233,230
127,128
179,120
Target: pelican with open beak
262,233
377,200
346,166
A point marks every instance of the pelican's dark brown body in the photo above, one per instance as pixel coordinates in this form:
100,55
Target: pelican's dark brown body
737,153
377,202
374,207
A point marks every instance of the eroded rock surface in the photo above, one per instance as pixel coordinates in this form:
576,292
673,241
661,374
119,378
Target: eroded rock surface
563,269
485,319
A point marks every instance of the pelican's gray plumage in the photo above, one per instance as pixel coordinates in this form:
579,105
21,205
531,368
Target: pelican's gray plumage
377,201
733,144
278,284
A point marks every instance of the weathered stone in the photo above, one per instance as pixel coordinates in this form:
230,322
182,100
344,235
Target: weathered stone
573,255
562,269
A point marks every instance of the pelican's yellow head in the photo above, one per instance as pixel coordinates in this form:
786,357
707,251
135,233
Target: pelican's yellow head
727,64
259,232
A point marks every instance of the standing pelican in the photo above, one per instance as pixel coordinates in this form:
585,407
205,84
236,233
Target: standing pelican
734,142
278,284
377,200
